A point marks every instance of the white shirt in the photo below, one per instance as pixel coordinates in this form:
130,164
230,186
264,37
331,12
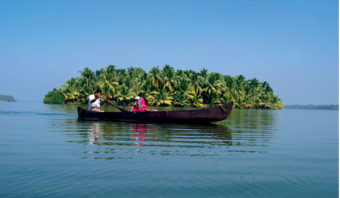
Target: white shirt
95,104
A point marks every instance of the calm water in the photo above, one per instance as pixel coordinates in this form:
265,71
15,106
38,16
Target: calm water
46,152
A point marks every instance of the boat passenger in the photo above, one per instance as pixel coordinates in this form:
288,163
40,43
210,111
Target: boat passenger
141,104
94,101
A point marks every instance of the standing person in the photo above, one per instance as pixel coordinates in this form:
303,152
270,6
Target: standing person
141,104
94,101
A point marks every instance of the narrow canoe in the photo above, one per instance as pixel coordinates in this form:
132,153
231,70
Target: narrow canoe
205,115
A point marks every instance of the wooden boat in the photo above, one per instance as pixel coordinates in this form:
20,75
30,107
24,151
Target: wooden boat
205,115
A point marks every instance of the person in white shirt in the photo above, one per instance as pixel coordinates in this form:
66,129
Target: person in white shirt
94,101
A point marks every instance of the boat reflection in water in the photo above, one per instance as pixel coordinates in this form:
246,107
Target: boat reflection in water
120,140
139,131
252,132
94,133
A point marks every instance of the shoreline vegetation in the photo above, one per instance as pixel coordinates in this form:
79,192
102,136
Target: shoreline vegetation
7,98
313,107
166,87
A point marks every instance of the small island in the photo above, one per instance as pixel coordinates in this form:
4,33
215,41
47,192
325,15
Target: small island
7,98
167,87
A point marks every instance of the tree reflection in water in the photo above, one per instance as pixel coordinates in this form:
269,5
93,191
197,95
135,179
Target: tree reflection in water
249,131
122,139
252,131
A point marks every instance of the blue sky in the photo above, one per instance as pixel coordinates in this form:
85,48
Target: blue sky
293,45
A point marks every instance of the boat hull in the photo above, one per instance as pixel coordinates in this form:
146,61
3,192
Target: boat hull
205,115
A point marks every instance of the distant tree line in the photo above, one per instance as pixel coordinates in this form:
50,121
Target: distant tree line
329,107
167,87
7,98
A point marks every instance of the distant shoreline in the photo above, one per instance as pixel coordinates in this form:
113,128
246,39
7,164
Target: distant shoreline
325,107
7,98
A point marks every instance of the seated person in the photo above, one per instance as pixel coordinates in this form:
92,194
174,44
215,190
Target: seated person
94,101
141,104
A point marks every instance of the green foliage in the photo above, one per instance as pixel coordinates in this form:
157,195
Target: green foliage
54,97
167,87
7,98
328,107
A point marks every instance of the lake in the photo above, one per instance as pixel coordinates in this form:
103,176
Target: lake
45,151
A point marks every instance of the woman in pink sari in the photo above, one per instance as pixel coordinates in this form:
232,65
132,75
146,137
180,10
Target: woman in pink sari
141,104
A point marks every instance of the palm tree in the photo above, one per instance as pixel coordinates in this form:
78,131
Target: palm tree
87,77
180,99
167,87
214,88
197,81
196,100
70,90
162,98
169,78
108,81
124,95
156,78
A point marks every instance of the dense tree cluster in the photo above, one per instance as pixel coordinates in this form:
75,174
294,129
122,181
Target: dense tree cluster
7,98
167,87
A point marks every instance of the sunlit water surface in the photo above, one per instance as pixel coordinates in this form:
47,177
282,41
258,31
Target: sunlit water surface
45,151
